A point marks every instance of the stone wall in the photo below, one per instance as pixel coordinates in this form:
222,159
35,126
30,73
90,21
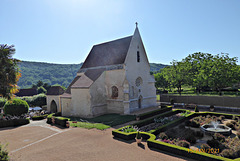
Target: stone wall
203,100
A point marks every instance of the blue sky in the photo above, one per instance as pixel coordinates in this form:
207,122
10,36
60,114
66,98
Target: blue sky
64,31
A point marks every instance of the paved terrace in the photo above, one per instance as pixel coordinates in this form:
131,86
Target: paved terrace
39,141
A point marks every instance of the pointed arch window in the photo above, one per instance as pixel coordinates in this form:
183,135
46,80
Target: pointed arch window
138,56
114,92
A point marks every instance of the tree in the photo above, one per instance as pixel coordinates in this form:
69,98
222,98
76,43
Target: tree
41,90
39,83
9,72
176,75
161,82
198,66
224,72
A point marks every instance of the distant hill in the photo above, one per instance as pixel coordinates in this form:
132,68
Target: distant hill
61,74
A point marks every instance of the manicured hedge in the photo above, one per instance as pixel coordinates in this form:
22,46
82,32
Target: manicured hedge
154,113
58,120
152,143
11,123
16,107
41,117
61,121
151,120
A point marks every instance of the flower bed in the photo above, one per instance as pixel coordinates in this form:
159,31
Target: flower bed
178,145
9,121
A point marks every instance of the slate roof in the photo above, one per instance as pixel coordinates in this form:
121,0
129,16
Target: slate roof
88,78
27,92
108,53
69,87
55,90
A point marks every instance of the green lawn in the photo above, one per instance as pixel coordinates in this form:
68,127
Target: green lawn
107,119
89,125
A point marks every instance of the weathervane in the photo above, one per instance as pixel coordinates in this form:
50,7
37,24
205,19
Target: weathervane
136,24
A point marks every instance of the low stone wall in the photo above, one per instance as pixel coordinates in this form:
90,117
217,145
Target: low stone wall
203,100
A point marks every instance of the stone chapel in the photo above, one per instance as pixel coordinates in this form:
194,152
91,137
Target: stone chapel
114,78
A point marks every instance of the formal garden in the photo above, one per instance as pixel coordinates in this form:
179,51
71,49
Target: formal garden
197,135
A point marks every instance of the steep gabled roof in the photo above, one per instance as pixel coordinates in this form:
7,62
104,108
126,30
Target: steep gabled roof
69,87
55,90
27,92
86,80
109,53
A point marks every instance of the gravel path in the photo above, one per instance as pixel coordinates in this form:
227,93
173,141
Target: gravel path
39,141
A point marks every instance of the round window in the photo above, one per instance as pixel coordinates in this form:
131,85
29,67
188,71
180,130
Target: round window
138,81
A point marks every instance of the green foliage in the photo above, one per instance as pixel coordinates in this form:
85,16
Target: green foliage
2,102
61,74
161,82
88,125
37,100
16,107
9,72
201,71
3,153
41,90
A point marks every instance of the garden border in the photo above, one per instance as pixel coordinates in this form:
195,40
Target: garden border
152,143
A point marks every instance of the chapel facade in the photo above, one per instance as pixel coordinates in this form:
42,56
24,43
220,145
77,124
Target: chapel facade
114,78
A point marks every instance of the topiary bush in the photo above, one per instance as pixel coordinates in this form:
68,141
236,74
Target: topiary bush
16,107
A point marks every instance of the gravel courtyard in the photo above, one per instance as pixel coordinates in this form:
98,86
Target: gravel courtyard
39,141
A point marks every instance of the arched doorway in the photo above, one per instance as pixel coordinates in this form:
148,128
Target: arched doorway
53,107
140,102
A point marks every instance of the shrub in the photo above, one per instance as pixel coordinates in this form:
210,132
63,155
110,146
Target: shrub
3,153
183,143
227,153
205,146
213,143
219,137
2,102
191,139
195,124
222,117
16,107
233,122
196,109
163,135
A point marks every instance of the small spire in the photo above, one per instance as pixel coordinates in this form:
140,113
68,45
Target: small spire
136,24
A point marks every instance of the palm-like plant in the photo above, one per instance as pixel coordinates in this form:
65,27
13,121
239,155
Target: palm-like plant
9,72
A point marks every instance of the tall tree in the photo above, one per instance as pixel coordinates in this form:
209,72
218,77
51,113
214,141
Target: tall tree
161,82
176,75
224,72
9,72
198,66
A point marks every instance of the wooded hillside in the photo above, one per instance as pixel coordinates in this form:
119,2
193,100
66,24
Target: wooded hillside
52,74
